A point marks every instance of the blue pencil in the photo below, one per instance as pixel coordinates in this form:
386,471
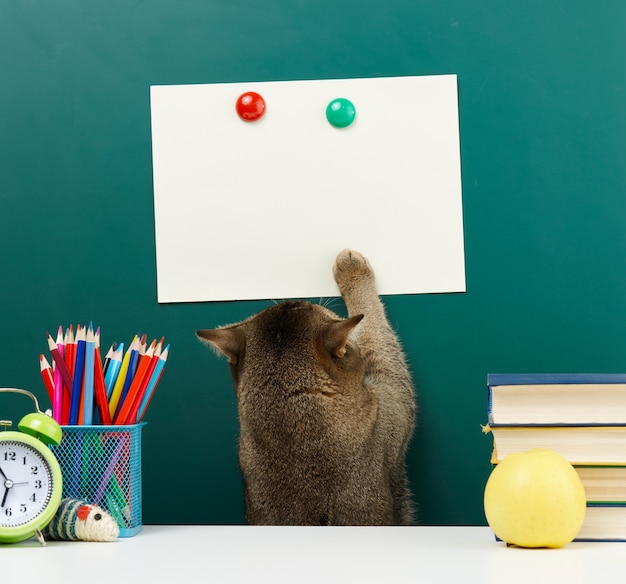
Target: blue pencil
78,375
113,369
107,358
88,389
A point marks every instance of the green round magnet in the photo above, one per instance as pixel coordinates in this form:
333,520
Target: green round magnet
340,112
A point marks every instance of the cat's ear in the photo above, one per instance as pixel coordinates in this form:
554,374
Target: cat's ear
227,340
338,334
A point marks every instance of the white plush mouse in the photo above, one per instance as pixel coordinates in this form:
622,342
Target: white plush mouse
76,520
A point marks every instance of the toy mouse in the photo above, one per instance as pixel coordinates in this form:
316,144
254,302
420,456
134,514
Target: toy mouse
76,520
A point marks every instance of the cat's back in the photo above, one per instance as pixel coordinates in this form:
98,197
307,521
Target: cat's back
325,408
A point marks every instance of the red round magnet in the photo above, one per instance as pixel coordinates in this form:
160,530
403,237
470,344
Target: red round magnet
250,106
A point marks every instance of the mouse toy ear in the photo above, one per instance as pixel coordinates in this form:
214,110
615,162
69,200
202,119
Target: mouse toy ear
338,334
228,341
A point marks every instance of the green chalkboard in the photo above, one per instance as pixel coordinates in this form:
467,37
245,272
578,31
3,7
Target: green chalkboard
542,93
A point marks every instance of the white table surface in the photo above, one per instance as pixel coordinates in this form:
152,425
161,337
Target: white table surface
217,554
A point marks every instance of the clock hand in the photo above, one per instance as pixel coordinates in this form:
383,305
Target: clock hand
7,485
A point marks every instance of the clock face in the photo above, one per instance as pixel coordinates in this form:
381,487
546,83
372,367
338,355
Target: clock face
26,483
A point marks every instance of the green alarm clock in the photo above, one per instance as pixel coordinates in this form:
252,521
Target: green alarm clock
31,483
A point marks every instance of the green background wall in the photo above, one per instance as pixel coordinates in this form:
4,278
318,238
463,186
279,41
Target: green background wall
542,95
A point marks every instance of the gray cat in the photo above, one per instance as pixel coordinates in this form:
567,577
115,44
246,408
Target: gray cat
326,408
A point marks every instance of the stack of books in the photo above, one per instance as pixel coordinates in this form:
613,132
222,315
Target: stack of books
583,418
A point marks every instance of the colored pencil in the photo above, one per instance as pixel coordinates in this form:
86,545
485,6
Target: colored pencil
133,391
57,404
102,405
113,369
107,358
132,415
47,377
130,374
79,369
154,381
88,377
84,389
70,350
68,355
121,378
106,477
58,360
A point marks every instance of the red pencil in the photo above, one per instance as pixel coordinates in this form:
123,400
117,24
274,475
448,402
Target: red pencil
46,375
99,387
70,350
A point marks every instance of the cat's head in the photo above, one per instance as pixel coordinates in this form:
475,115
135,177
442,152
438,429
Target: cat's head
291,347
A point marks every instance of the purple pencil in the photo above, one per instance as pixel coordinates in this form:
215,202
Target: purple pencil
60,362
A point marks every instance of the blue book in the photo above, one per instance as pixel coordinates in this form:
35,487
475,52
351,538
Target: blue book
556,399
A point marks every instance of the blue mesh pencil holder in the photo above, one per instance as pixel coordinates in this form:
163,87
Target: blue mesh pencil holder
102,466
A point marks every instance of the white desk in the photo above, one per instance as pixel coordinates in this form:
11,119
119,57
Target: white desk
222,554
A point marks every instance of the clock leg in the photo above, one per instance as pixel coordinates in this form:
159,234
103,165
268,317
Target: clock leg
40,537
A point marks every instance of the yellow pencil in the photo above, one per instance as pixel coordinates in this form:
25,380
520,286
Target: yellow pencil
119,383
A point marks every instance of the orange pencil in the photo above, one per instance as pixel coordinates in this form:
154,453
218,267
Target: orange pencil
135,386
46,375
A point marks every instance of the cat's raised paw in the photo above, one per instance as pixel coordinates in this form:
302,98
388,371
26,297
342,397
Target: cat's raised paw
352,268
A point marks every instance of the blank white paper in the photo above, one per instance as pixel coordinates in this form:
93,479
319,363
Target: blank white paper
260,210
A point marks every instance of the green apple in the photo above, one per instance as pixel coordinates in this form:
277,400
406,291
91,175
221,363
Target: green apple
535,499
